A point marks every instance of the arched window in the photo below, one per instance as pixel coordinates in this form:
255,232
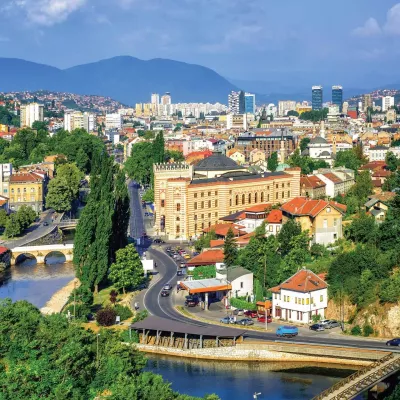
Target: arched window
249,198
178,207
178,219
243,199
262,197
255,197
237,199
178,229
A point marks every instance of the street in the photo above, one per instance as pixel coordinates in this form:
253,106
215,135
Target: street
136,225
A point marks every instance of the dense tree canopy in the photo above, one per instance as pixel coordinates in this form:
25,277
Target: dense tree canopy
314,115
272,162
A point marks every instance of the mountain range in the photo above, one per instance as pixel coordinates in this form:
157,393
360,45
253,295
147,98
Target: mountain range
126,79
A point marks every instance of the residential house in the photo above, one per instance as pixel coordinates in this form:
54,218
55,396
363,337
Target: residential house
241,279
313,187
207,257
236,156
377,205
28,188
300,297
221,230
256,155
378,153
334,185
346,175
322,219
274,222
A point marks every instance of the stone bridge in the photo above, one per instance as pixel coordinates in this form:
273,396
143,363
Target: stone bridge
41,252
68,223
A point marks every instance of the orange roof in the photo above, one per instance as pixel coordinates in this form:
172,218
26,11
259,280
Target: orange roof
274,217
331,176
217,242
373,165
25,177
222,229
207,257
259,208
310,207
302,281
384,196
311,181
381,173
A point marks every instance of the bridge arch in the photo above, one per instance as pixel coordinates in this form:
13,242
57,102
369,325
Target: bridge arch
25,256
61,257
41,252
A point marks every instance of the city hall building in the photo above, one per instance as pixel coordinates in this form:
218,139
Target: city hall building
190,198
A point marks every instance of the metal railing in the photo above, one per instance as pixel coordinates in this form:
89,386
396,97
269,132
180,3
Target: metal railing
337,386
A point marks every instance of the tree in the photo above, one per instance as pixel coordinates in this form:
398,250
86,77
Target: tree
127,271
272,162
362,188
204,241
71,174
82,161
292,113
349,159
139,165
314,115
289,230
304,143
158,149
363,229
59,196
392,161
176,155
40,126
13,226
3,218
230,249
148,196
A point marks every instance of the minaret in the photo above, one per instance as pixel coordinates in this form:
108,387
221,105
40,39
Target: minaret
322,129
282,155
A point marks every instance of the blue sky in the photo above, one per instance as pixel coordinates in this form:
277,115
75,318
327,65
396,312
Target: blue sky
352,42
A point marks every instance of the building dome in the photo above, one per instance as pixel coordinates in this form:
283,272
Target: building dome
318,140
281,167
325,154
217,162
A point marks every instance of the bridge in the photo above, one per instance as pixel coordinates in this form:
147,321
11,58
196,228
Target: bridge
363,379
68,223
41,252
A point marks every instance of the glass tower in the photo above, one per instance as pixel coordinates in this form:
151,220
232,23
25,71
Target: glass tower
317,98
337,96
250,103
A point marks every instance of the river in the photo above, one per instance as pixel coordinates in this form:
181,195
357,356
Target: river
36,283
240,380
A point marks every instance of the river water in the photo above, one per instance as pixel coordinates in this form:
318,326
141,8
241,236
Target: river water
240,380
36,283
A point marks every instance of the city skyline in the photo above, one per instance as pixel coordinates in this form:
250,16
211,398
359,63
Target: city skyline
97,30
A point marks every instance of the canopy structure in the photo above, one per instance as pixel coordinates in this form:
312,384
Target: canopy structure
205,285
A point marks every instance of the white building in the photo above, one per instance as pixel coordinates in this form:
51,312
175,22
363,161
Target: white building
73,120
285,106
377,153
300,297
387,102
155,98
240,279
114,121
5,173
29,113
89,122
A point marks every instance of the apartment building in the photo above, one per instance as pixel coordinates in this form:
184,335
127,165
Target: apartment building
29,113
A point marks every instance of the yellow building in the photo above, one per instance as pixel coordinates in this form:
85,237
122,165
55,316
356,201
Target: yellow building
191,198
28,189
322,219
139,108
4,128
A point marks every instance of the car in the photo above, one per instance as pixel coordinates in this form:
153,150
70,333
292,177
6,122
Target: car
164,293
332,324
158,241
252,314
287,331
195,253
192,297
238,311
186,256
227,320
317,327
45,223
393,342
261,318
146,214
190,304
179,273
182,265
324,321
245,321
167,287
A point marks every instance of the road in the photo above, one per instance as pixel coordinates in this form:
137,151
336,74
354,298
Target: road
35,231
166,273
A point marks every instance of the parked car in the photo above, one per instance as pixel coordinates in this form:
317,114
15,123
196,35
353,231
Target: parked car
45,223
317,327
324,321
393,342
287,331
186,256
146,214
164,293
179,273
190,304
252,314
245,321
238,311
167,287
182,265
158,241
195,253
262,319
332,324
227,320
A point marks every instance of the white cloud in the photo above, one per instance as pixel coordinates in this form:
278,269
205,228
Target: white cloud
370,28
392,25
48,12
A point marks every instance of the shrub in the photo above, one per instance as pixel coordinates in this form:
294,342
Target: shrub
106,316
133,338
356,330
368,330
123,311
113,296
140,316
81,310
82,294
316,318
237,303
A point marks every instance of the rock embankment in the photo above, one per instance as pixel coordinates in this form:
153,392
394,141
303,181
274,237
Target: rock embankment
60,298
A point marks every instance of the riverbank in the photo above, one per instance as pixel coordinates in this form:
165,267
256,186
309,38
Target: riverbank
60,298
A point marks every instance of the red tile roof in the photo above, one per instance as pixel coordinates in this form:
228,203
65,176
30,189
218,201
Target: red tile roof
25,177
3,250
331,176
311,181
384,196
259,208
373,165
305,206
274,217
381,173
207,257
222,229
302,281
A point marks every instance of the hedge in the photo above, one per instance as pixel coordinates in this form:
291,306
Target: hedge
242,304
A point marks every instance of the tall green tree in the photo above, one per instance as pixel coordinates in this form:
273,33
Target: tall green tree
392,161
289,230
230,249
158,148
82,161
13,227
272,162
139,165
127,270
59,196
304,143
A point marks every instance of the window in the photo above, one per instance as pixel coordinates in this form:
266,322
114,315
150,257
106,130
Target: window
202,225
216,193
312,300
178,207
328,209
195,217
195,205
32,190
32,198
335,222
195,195
283,185
295,300
209,193
283,195
256,198
19,190
276,195
209,215
230,202
163,203
302,302
202,194
335,236
178,219
277,186
284,298
241,285
5,190
270,228
209,203
24,190
12,190
195,227
216,215
202,204
178,229
276,296
249,198
325,223
262,197
278,228
321,298
237,200
307,301
288,193
243,199
209,224
202,216
288,298
268,197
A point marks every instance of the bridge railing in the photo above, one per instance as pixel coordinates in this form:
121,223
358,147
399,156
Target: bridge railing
353,377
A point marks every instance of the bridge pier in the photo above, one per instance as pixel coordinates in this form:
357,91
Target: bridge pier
41,252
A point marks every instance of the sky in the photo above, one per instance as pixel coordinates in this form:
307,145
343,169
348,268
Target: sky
349,42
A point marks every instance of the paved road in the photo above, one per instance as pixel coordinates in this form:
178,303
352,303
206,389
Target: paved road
35,231
136,224
163,307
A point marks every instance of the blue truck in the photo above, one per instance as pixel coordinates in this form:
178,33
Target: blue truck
287,331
